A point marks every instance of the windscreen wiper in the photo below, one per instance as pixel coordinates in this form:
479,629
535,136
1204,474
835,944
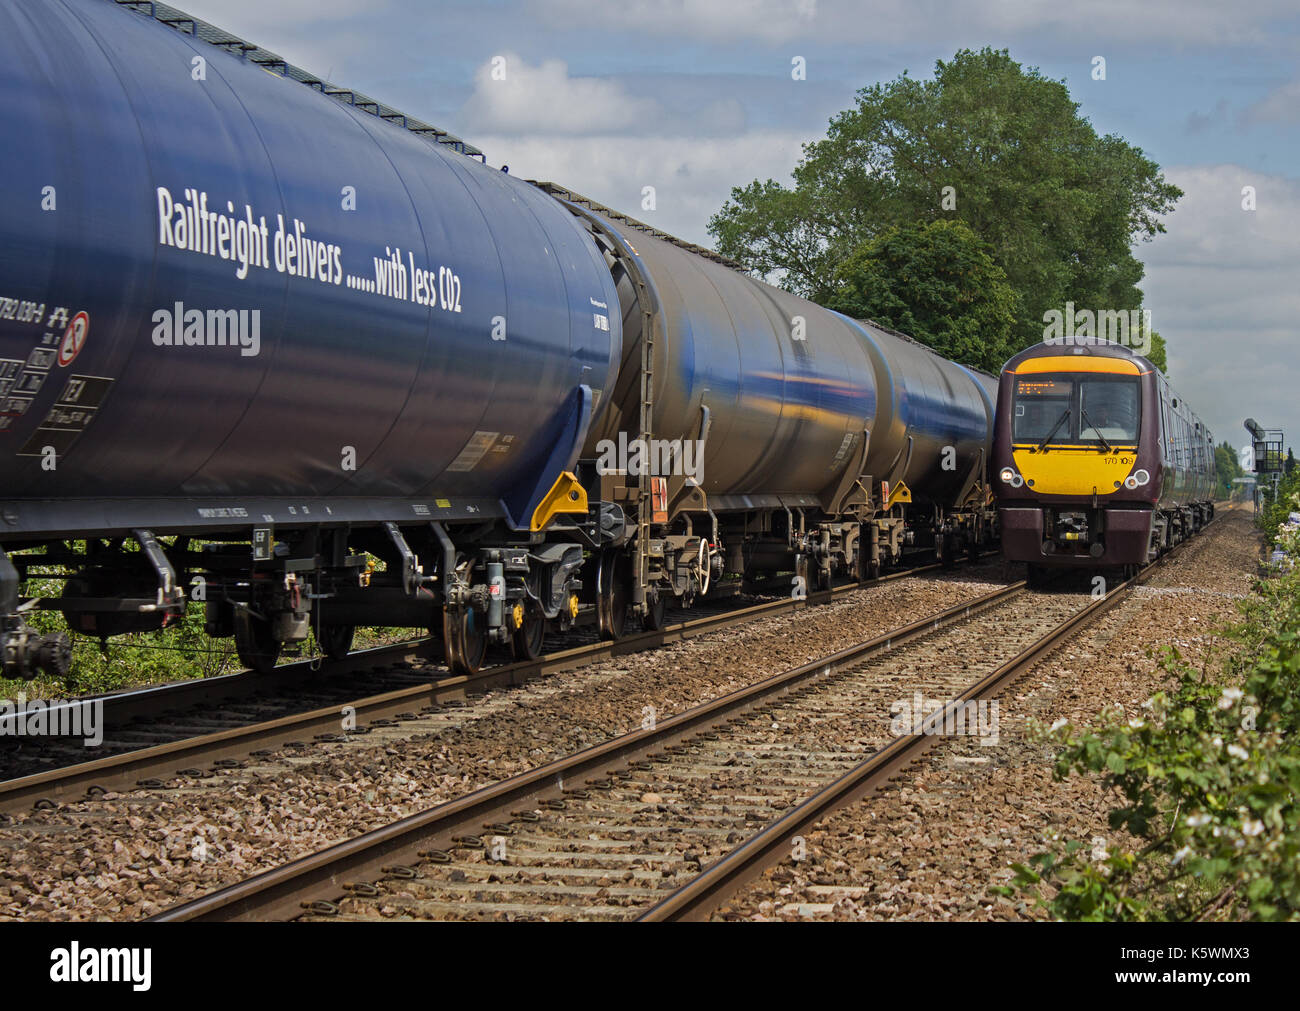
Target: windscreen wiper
1101,438
1055,428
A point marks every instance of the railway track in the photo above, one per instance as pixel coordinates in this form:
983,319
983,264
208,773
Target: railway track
667,822
192,727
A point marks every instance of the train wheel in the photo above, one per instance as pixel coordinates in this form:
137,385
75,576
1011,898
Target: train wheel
656,613
527,639
335,640
612,594
465,640
257,647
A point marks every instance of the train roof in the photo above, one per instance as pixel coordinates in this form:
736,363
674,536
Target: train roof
1098,346
564,193
187,24
921,344
1094,346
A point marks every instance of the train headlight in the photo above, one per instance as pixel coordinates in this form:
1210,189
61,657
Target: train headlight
1130,482
1141,477
1009,476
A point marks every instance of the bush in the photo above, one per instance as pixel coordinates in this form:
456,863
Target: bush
1209,774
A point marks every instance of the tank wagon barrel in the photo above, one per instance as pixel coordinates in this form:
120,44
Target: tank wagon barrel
245,304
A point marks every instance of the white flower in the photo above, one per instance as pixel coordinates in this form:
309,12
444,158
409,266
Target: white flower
1252,827
1197,820
1062,722
1180,856
1229,698
1217,742
1137,722
1237,751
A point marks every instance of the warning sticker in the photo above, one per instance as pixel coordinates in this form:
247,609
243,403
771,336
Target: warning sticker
9,368
76,407
474,451
74,339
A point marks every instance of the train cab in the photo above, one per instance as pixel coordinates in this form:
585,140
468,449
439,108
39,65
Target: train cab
1097,462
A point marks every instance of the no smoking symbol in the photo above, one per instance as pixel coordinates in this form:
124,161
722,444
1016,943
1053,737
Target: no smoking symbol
74,339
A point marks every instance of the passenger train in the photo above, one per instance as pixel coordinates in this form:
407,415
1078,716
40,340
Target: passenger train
1099,463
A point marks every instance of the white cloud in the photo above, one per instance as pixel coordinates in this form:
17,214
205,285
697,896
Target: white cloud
1224,291
308,33
1281,105
1151,22
691,178
283,14
608,142
514,97
770,20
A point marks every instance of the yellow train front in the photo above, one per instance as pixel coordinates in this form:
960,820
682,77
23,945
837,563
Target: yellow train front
1097,462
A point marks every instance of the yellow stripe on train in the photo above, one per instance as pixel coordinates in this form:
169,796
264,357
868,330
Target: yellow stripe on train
1064,363
1070,470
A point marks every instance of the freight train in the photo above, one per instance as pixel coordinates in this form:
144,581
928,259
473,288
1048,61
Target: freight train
274,346
1099,463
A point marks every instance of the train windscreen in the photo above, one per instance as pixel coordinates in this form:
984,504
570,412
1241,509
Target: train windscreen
1090,410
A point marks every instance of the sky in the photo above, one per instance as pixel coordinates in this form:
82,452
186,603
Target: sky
694,97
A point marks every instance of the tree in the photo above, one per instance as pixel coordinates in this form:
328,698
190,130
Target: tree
1226,463
1156,353
1289,466
986,142
935,282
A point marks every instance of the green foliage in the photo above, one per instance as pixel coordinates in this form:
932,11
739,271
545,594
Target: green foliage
1272,518
1058,205
935,282
1156,355
1225,461
1209,774
180,651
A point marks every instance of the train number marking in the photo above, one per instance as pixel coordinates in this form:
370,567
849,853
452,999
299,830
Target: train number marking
74,339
